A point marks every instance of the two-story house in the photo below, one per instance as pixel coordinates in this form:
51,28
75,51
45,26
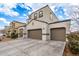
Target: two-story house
45,25
17,27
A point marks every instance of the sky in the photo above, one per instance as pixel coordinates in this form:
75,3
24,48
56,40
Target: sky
19,11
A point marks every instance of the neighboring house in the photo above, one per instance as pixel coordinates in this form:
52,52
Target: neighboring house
43,24
18,27
15,27
7,31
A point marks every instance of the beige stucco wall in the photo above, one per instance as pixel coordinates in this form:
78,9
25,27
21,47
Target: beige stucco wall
24,30
38,25
46,27
48,15
58,25
17,24
35,25
61,24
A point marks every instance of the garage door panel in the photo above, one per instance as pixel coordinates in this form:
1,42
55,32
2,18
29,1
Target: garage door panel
35,34
58,34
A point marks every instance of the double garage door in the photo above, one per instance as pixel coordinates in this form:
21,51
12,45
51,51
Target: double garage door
56,34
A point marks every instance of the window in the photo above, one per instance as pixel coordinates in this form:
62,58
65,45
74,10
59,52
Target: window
41,14
35,16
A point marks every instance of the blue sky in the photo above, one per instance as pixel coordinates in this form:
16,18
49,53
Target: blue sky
11,12
20,11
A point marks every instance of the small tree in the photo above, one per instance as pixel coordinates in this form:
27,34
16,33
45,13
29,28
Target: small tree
74,16
14,35
74,37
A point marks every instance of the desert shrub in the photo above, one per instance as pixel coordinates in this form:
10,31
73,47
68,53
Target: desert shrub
73,42
14,35
72,37
8,36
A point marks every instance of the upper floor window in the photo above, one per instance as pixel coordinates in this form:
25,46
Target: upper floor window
35,16
41,14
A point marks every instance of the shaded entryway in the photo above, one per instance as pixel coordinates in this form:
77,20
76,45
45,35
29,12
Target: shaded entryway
58,34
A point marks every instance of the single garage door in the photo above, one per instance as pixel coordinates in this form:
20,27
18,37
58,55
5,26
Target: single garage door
35,34
58,34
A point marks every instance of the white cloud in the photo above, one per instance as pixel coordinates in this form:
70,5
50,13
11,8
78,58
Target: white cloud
24,14
74,3
68,8
10,5
36,6
12,13
60,17
8,11
29,4
1,27
39,1
4,20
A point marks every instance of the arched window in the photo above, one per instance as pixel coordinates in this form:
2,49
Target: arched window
41,14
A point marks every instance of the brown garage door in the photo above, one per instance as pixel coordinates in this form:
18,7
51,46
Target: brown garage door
58,34
35,34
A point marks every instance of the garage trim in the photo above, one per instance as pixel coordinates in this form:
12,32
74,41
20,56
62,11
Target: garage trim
45,34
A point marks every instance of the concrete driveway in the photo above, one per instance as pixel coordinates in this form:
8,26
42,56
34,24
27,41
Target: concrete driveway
31,47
